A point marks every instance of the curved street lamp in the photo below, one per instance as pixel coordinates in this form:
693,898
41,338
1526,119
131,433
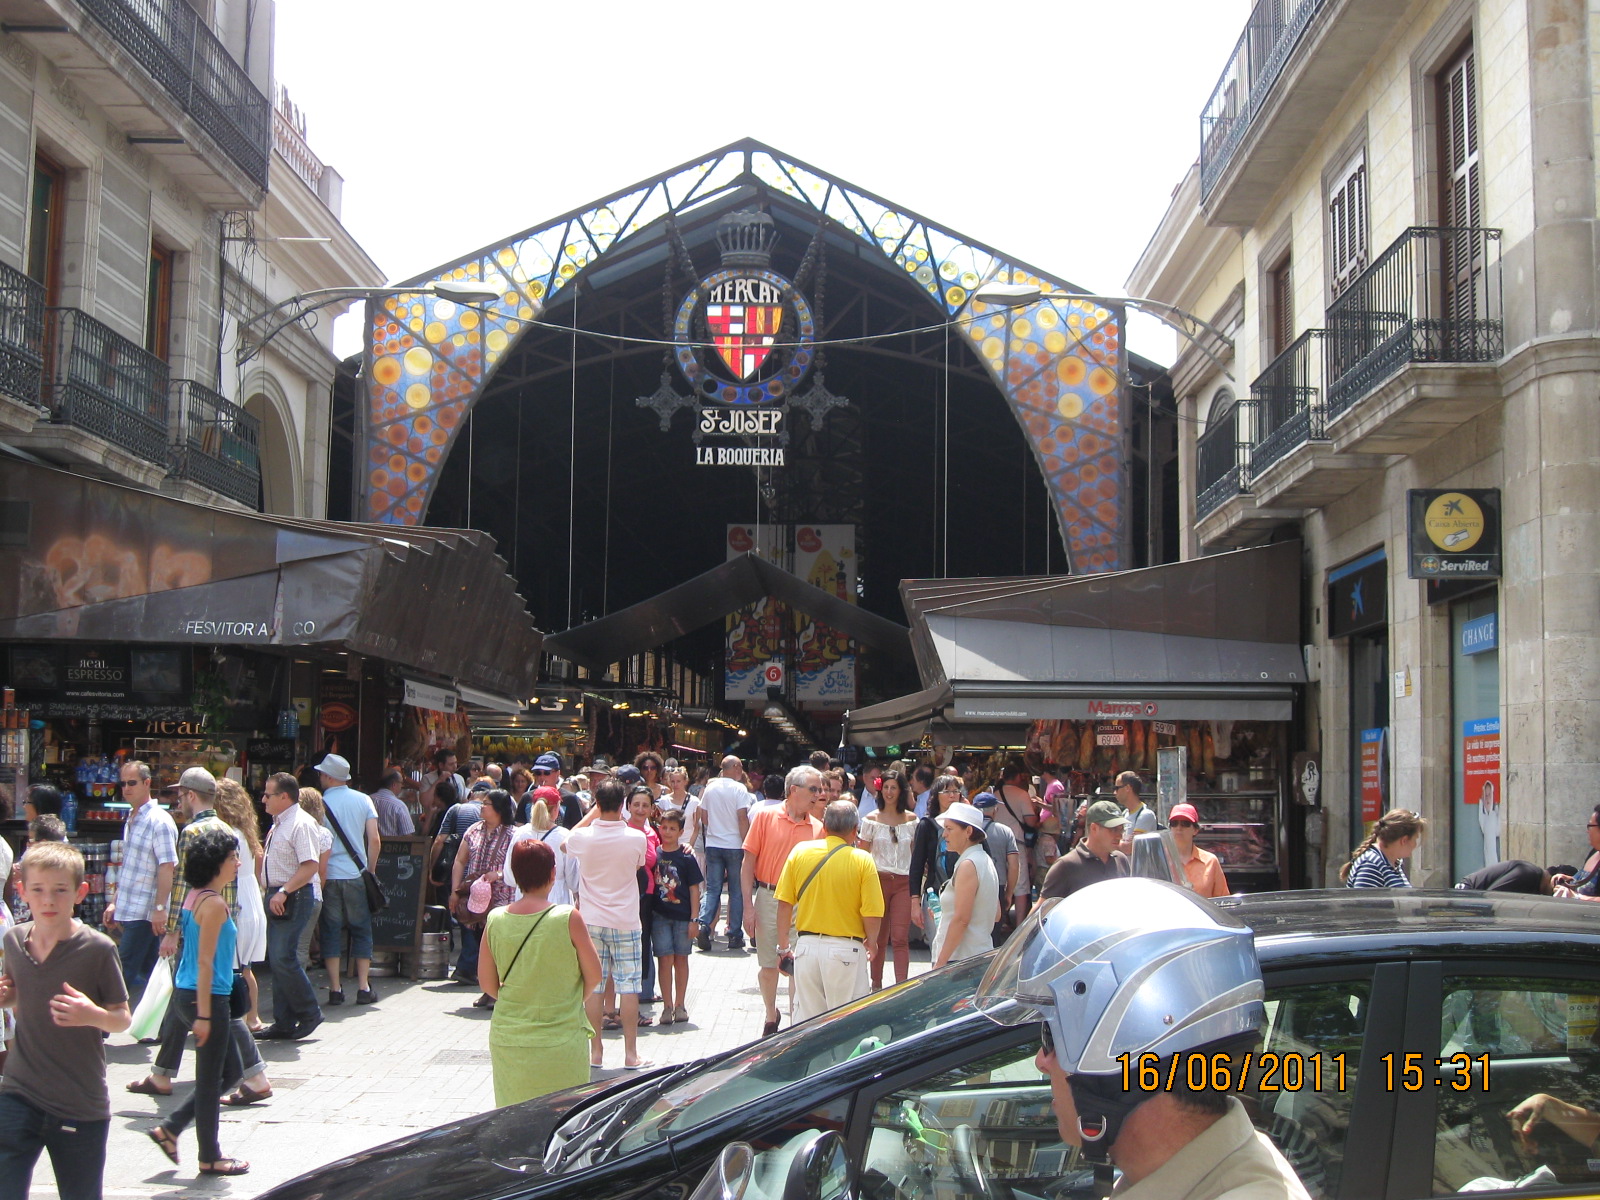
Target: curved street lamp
1023,295
297,307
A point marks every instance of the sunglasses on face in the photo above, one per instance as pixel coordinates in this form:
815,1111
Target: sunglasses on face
1181,824
128,783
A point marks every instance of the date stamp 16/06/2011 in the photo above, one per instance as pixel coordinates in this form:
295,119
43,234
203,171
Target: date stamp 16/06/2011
1293,1072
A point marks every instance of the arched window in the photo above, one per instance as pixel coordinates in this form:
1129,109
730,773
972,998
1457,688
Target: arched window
1222,408
1218,454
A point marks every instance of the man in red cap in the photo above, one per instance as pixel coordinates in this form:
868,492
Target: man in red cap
1201,866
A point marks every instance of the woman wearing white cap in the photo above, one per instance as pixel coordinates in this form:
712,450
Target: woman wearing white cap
969,903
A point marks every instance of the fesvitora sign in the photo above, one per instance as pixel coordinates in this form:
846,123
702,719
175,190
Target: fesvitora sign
1454,533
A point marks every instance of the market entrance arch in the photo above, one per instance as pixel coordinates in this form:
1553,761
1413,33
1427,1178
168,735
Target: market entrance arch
1059,362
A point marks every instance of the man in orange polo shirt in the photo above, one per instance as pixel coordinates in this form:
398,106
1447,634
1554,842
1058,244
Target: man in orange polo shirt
774,832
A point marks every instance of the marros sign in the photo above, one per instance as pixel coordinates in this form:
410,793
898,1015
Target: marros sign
1123,708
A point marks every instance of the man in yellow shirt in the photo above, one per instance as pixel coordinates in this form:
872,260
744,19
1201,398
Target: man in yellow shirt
832,890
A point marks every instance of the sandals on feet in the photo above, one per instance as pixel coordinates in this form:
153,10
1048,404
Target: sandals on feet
246,1095
611,1021
226,1166
166,1139
145,1088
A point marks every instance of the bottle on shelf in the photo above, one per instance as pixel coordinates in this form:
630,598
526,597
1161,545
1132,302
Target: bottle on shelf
69,811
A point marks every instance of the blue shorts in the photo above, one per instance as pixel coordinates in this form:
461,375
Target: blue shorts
669,937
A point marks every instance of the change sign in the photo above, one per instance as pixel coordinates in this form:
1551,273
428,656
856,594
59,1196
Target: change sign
1453,534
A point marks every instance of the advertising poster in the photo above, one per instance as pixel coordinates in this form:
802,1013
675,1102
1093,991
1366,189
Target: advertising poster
1480,781
338,712
1372,789
824,658
755,633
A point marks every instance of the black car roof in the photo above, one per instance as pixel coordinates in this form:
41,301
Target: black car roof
1314,923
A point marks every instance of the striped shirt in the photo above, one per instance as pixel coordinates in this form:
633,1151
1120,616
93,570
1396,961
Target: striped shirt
1372,870
150,842
180,888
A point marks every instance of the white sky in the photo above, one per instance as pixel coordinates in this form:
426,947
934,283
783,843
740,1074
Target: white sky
1053,131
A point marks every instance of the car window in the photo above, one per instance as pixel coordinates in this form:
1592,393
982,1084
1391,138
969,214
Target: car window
1520,1103
807,1050
1303,1084
984,1128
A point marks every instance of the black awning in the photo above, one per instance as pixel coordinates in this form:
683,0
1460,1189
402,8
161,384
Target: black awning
711,596
98,561
1214,637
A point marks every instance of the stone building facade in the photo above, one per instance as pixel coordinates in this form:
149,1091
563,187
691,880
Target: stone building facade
1393,219
154,198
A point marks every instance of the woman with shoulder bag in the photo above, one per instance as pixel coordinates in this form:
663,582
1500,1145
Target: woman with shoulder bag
539,1035
481,858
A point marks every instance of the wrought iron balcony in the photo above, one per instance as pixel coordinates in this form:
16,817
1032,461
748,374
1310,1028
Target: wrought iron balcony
1222,459
218,443
21,336
1289,402
104,384
170,41
1270,36
1434,296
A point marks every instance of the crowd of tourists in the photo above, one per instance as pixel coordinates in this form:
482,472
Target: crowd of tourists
580,894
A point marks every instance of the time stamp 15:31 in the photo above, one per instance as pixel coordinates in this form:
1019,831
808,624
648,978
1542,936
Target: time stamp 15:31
1293,1072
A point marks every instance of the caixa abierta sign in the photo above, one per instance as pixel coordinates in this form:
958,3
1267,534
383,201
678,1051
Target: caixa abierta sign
1454,533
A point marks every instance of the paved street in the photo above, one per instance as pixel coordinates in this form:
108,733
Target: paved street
369,1075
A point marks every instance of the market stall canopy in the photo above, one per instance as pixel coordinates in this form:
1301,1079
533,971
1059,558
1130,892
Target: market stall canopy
709,597
1209,638
95,561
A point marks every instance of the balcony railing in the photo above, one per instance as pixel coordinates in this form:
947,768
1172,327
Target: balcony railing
289,142
1434,296
1222,459
218,443
101,382
21,336
1289,401
170,41
1269,38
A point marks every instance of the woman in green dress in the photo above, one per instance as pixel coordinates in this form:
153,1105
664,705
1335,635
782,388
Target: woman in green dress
538,963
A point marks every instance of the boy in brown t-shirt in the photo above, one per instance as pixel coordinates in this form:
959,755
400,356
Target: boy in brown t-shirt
65,982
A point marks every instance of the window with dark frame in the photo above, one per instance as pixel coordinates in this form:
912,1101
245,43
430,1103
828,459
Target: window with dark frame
1347,224
1280,318
158,302
1460,192
45,226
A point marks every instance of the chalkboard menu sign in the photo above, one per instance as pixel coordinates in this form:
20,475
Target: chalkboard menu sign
402,869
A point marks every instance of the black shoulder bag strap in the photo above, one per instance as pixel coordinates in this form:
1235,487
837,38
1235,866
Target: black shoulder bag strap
507,973
361,863
815,869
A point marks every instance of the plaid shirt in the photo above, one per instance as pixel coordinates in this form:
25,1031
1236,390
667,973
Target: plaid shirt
150,840
180,890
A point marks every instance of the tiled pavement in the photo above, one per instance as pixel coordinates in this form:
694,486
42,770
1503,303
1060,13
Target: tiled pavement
416,1059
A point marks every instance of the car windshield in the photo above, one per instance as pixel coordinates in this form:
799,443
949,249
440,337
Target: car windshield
767,1066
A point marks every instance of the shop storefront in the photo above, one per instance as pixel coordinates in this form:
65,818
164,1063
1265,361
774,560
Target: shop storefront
1096,674
146,627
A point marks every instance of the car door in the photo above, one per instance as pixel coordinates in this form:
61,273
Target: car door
1316,1090
1488,1038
